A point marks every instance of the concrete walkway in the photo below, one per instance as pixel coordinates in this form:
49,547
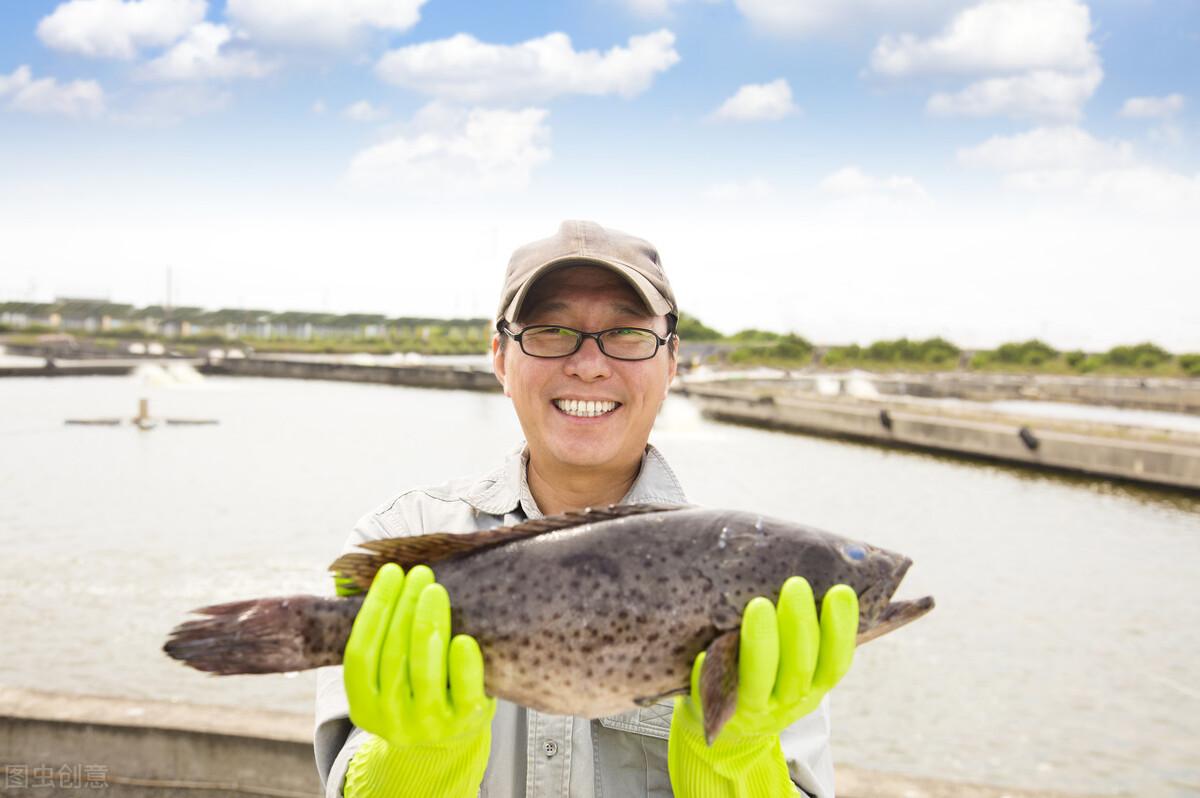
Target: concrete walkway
160,748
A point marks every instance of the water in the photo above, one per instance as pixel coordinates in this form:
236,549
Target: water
1064,652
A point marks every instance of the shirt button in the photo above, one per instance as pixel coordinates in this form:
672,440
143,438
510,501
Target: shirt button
550,747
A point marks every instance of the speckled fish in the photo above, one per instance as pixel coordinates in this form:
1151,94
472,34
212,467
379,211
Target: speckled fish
588,613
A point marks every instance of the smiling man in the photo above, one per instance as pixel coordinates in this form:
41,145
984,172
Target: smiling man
586,349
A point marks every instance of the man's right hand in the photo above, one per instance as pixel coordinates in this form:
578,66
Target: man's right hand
417,690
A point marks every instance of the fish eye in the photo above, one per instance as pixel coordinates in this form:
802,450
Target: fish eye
855,552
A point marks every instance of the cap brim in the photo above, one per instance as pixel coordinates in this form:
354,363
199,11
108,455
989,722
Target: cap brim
655,301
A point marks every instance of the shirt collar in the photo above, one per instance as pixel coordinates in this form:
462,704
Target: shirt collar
506,489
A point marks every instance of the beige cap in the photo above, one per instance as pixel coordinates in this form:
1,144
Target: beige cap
579,242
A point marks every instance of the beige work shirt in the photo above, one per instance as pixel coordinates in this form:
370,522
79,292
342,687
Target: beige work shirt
534,754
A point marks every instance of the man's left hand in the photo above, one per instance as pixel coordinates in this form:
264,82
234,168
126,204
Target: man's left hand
787,662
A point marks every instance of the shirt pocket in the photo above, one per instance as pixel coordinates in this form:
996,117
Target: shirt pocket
652,721
631,753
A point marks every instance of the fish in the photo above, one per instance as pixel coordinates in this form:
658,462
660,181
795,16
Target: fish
589,613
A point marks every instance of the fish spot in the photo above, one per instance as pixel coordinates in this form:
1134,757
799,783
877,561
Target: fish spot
590,563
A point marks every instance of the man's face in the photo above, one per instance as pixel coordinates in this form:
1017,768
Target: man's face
588,298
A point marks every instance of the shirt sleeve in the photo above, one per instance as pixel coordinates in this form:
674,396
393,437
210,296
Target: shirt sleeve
807,750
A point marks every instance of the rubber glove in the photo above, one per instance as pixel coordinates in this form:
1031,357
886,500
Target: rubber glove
417,690
787,662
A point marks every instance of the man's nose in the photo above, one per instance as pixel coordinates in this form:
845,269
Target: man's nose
588,363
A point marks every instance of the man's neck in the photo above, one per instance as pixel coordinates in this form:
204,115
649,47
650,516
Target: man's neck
562,490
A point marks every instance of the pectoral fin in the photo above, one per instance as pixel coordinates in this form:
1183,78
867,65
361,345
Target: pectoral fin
719,683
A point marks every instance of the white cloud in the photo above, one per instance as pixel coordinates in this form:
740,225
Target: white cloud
1047,148
1034,58
318,107
852,181
759,101
1067,162
116,29
324,23
363,111
456,151
48,96
995,36
203,54
1152,107
807,17
464,68
1039,94
739,191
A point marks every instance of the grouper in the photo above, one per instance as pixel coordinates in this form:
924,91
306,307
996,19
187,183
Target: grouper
589,613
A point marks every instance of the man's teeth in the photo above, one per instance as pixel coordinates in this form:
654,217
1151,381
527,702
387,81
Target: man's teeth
576,407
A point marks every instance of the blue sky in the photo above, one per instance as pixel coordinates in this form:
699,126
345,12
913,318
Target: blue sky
850,169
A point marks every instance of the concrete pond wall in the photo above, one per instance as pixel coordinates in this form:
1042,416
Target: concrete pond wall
74,745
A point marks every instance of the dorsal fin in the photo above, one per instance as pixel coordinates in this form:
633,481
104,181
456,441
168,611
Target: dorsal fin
409,551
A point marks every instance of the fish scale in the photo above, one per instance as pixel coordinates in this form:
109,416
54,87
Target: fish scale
589,614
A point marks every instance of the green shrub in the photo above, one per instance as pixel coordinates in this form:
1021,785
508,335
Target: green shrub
1190,364
692,329
1144,355
1026,353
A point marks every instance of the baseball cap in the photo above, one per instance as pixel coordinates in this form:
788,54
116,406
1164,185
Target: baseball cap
587,243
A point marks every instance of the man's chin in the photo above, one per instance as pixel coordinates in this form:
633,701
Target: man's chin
583,456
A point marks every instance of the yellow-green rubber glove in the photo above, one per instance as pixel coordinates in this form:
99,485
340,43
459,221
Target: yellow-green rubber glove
417,690
787,662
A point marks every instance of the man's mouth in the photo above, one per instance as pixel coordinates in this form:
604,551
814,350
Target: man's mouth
581,408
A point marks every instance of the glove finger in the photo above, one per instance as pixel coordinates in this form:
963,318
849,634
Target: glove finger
393,662
758,655
839,628
466,674
360,661
345,586
430,641
799,640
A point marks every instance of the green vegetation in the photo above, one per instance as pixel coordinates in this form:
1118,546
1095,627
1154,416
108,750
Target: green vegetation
921,355
194,331
692,329
784,350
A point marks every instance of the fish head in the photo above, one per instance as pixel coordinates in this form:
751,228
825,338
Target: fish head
873,573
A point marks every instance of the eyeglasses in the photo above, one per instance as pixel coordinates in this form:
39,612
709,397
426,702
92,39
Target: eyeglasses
621,343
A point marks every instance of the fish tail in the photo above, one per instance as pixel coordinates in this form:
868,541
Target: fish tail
268,635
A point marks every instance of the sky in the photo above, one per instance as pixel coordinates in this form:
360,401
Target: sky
851,170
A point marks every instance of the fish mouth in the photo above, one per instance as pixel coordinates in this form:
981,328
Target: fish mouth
897,613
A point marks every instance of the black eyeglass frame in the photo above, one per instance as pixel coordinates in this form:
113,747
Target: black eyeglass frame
502,327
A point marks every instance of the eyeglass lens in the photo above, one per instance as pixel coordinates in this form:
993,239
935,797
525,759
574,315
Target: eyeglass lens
626,343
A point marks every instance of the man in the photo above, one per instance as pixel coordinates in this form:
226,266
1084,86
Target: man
586,349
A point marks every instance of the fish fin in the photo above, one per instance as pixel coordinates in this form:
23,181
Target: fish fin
651,700
409,551
719,683
268,635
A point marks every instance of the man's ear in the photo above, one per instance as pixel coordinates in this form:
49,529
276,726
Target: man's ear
498,363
